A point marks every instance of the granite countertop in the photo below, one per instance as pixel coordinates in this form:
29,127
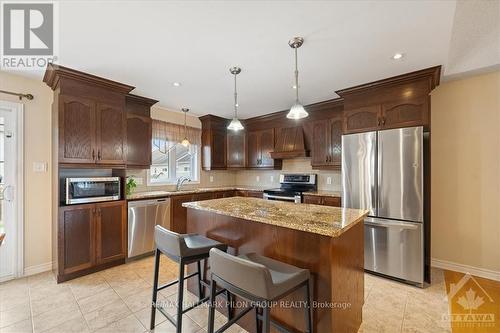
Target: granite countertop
325,193
323,220
164,194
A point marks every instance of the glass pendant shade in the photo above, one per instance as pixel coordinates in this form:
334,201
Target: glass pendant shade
235,125
297,111
185,142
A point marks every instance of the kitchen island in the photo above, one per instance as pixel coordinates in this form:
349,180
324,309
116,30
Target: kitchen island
326,240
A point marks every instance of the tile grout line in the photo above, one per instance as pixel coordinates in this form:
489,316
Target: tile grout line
79,308
31,309
404,312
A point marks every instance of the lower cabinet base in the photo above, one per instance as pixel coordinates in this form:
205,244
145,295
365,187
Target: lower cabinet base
66,277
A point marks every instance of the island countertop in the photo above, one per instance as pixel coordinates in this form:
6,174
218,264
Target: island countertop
323,220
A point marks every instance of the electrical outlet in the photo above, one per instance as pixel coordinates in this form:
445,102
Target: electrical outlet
40,166
329,180
257,179
211,179
271,179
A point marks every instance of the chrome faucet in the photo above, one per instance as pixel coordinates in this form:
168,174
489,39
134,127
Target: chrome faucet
180,182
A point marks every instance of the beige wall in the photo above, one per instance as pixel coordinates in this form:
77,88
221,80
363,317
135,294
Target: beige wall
465,172
37,148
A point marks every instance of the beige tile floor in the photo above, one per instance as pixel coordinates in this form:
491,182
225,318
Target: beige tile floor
117,300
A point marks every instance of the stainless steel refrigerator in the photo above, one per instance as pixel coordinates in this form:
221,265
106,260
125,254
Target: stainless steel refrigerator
383,172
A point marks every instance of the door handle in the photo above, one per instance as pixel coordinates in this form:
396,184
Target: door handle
401,225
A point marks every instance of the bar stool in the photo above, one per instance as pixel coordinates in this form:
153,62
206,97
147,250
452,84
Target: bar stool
184,249
261,281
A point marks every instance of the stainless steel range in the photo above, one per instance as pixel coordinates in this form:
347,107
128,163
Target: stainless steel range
291,187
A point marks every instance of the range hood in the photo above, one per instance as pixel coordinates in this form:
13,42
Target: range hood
289,143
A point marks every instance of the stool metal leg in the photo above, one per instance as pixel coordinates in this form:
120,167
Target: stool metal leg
201,293
258,328
308,308
180,297
211,309
155,289
229,305
266,319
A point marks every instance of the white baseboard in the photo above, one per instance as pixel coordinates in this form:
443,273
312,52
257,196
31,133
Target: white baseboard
35,269
452,266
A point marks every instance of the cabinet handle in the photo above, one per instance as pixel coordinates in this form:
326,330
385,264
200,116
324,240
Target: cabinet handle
98,154
383,120
378,122
93,154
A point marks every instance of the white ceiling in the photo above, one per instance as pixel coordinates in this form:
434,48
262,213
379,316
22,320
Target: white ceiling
150,44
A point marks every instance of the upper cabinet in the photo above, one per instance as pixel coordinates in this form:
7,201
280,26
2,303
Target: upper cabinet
260,144
400,101
213,142
236,152
139,130
90,115
326,146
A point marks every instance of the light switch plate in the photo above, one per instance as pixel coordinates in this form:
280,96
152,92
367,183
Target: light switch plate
271,179
39,166
329,180
211,179
257,179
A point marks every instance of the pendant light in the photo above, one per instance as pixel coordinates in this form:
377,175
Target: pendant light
235,124
297,110
185,142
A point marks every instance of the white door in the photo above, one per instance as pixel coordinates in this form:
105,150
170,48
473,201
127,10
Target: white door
10,190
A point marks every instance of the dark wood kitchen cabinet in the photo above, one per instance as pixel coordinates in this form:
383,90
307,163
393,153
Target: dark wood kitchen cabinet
322,200
260,144
89,116
77,128
111,133
236,150
396,102
90,236
139,131
326,150
213,142
111,231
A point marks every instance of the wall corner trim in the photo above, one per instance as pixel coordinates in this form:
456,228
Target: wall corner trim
476,271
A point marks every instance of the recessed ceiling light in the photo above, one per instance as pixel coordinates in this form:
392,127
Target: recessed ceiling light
398,56
176,84
294,87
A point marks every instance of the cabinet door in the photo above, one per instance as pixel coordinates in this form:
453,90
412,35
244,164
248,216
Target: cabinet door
111,134
178,213
203,196
236,149
139,140
111,231
219,149
254,194
362,119
414,112
313,199
76,238
253,149
335,136
77,130
331,201
320,143
266,143
228,194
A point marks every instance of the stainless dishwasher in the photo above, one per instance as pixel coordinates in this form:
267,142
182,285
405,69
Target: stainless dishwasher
143,215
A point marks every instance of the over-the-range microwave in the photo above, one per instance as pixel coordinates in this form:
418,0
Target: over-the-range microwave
94,189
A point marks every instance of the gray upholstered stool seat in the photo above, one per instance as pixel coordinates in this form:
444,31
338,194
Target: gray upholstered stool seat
259,279
184,249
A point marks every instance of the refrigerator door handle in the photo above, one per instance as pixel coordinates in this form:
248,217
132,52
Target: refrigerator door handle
402,225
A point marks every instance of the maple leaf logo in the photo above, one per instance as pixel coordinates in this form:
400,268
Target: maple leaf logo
470,301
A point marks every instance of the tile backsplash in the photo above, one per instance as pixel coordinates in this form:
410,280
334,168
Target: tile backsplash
250,178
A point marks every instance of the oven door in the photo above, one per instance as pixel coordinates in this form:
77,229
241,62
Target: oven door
295,198
85,190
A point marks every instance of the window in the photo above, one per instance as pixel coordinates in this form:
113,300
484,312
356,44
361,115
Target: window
178,161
